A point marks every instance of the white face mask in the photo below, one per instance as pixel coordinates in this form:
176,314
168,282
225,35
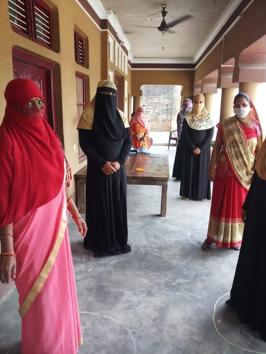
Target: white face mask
242,112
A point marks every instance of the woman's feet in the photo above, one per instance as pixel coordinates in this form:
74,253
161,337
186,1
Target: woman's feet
236,248
207,245
97,253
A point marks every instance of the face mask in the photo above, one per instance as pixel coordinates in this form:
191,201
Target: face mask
242,112
198,107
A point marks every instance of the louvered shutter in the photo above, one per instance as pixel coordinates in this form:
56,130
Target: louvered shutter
42,24
18,15
80,49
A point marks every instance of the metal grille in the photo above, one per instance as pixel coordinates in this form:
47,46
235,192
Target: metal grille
42,23
18,16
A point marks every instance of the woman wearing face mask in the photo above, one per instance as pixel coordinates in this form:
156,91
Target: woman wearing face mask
35,249
197,133
231,170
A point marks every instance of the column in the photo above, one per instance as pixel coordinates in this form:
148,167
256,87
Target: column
209,101
227,100
137,100
250,88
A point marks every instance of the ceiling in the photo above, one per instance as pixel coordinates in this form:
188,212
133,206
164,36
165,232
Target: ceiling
189,38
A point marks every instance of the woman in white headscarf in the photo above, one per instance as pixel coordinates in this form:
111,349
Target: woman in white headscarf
197,133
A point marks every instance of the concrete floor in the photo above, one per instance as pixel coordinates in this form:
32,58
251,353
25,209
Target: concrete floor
159,299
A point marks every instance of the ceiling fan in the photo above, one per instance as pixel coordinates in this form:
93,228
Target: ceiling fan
167,27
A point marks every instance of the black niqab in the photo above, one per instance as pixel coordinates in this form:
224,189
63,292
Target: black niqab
107,122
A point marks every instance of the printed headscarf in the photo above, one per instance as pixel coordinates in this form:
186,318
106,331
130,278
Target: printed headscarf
199,120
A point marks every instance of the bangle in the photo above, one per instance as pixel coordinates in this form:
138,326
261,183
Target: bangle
8,254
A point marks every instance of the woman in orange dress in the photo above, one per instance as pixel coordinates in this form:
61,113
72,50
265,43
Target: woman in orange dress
139,129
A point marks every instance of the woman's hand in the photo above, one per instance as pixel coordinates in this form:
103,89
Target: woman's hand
82,226
7,268
212,173
68,174
108,169
116,165
196,151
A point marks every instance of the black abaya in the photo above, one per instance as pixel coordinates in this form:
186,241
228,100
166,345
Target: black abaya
248,293
195,182
178,159
106,205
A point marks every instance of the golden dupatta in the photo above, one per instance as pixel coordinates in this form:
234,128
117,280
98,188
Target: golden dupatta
47,267
238,151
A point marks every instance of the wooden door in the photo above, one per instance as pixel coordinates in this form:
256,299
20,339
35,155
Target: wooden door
120,84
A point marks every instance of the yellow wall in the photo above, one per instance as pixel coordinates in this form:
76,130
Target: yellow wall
184,78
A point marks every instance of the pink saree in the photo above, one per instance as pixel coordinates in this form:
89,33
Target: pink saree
45,281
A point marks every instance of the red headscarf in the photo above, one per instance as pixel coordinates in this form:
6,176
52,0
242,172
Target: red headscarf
31,159
138,117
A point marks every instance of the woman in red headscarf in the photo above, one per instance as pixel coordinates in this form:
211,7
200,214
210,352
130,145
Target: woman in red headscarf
139,129
35,250
231,169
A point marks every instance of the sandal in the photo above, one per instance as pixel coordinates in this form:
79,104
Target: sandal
236,248
206,246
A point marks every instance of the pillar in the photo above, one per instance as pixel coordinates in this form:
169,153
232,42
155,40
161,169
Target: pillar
137,100
228,95
250,88
209,101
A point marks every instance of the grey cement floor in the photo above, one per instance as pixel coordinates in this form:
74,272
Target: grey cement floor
160,298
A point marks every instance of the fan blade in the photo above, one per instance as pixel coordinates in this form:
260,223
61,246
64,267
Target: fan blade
178,21
136,16
170,31
144,26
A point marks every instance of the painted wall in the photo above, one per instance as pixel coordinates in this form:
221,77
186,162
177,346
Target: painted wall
163,77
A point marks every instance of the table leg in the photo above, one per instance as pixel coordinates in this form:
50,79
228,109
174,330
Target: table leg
164,199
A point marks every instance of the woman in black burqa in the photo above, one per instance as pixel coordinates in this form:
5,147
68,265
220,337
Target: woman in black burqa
105,139
248,293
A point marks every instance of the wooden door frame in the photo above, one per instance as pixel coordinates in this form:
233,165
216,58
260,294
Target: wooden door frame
53,80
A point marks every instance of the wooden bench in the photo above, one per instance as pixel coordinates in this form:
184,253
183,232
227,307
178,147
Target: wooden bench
155,172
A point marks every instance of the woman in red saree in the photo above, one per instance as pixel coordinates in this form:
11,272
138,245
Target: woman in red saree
35,249
231,170
139,130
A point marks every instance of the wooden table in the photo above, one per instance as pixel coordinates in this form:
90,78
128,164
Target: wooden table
80,189
155,172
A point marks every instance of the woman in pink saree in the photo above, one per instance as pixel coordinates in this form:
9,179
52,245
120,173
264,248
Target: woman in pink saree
35,249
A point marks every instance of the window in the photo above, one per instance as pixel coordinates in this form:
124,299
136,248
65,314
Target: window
82,89
36,20
81,49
